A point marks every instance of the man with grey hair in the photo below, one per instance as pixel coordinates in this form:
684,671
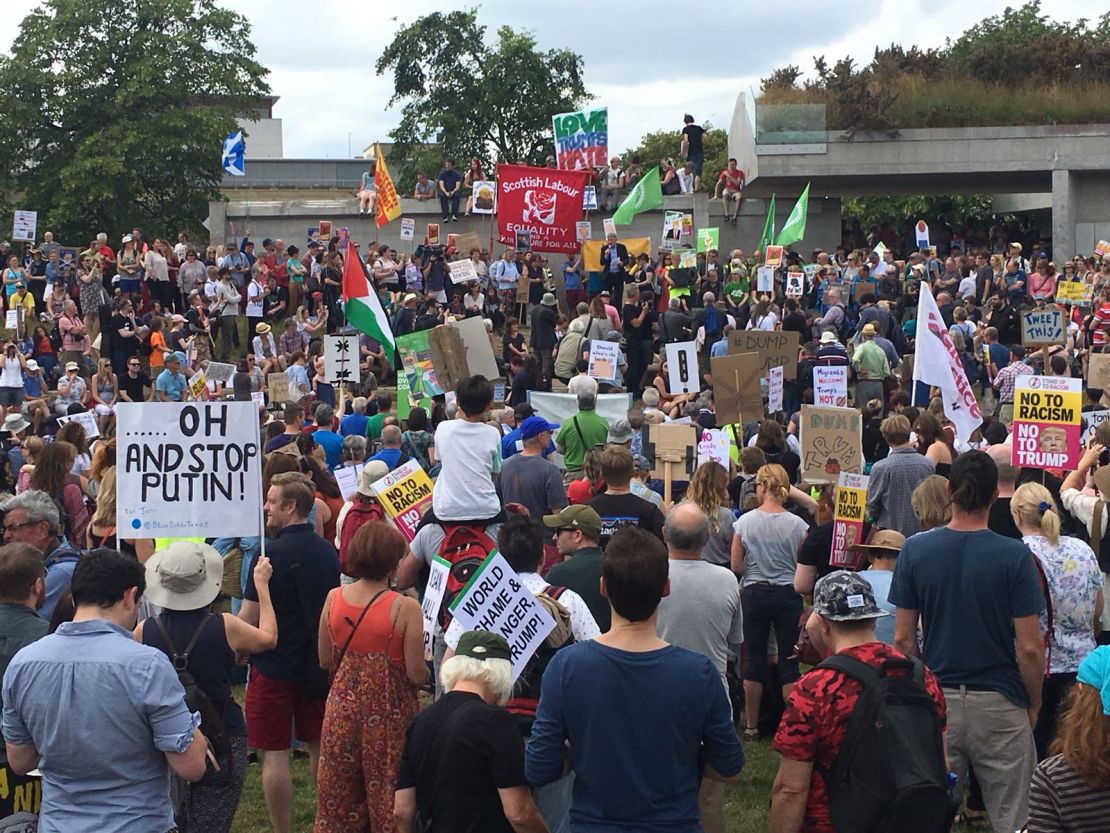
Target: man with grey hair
674,324
391,453
33,518
583,431
354,424
1000,520
702,614
325,436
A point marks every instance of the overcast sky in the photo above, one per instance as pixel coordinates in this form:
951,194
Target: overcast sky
648,61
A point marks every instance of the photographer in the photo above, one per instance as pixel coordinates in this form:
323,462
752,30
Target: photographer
435,274
639,320
12,364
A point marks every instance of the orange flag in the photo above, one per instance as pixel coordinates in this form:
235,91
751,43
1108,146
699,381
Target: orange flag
388,206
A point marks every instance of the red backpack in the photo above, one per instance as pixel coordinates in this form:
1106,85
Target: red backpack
464,547
362,511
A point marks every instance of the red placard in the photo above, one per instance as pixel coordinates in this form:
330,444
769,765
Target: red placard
546,202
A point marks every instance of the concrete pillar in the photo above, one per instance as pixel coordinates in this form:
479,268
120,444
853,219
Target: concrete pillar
1063,215
217,222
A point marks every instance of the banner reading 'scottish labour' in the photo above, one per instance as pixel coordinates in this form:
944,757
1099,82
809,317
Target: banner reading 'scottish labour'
582,139
545,202
1047,422
188,469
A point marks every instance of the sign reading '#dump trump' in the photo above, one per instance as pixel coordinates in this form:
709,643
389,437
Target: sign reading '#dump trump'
188,469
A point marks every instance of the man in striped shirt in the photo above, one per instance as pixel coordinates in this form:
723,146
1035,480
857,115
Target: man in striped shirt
1006,379
1100,321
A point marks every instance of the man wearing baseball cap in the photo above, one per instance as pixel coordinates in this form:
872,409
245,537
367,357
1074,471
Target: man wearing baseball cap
577,530
529,479
815,721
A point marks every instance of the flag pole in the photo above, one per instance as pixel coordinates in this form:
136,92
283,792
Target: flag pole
916,367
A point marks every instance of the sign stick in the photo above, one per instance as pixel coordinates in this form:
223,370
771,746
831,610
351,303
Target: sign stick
1044,361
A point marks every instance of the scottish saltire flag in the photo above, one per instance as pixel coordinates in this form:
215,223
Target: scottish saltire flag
232,160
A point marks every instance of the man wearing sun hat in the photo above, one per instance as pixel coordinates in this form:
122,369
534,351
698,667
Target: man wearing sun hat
815,721
883,552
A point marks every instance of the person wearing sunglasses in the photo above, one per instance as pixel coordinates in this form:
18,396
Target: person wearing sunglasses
577,529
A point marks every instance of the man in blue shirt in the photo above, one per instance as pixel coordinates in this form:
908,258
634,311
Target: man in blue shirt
391,453
171,383
102,716
325,437
354,424
636,680
449,182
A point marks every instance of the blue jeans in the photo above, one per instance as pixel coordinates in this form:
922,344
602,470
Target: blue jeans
553,801
454,205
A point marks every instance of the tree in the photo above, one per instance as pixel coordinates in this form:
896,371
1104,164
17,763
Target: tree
663,144
115,111
468,98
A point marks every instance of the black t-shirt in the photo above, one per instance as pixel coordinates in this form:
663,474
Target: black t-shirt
795,322
630,313
693,134
134,387
306,568
458,753
619,511
126,345
1001,521
278,295
517,341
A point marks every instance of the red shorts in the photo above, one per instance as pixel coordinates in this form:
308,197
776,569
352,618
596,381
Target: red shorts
274,708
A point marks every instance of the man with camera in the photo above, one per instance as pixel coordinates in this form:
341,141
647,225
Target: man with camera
639,319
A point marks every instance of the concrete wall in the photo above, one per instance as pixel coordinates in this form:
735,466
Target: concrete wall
263,139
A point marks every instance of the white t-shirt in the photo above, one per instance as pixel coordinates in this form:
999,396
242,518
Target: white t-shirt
254,300
967,287
470,454
580,383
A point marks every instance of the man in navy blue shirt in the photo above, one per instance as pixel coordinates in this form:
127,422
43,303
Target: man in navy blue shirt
391,453
643,695
449,183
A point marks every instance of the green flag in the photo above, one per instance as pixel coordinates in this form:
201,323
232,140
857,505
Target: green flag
795,227
647,194
768,236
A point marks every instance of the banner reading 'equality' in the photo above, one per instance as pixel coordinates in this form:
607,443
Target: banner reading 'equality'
545,202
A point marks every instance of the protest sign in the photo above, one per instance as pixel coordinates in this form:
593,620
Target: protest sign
1047,422
24,226
682,367
219,372
773,257
278,386
764,279
523,241
688,259
609,226
258,397
736,390
494,600
543,202
604,356
709,238
714,446
1042,327
832,442
861,288
582,139
405,494
485,197
325,230
341,359
921,234
408,228
795,284
462,271
198,385
438,572
560,407
1102,248
774,389
1091,421
11,320
188,469
431,234
851,501
499,392
1077,293
830,386
778,348
416,362
86,420
480,360
672,225
448,357
347,479
674,448
589,198
583,230
1098,371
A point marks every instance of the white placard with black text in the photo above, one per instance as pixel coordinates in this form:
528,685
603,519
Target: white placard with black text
682,367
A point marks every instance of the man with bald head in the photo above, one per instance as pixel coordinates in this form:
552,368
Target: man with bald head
391,453
702,614
1000,520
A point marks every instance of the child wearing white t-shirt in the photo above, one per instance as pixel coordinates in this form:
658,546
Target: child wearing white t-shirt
469,451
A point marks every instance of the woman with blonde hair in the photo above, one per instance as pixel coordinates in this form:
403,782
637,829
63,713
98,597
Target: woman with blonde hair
1073,583
930,502
1071,789
765,555
101,531
709,491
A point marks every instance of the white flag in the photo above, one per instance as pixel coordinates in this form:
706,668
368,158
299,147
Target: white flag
937,363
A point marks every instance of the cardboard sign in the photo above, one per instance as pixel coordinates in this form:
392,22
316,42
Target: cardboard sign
405,494
462,271
583,230
714,446
1077,293
774,389
24,226
773,257
219,372
832,442
86,420
795,284
604,356
480,360
674,448
485,197
777,348
438,572
408,228
1098,371
1042,327
494,600
278,387
1090,421
861,288
1046,425
736,390
467,242
765,279
341,359
830,387
682,367
188,469
851,501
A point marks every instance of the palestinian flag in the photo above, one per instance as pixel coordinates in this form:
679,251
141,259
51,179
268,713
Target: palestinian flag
361,304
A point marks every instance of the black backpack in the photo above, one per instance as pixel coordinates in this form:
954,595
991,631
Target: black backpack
889,775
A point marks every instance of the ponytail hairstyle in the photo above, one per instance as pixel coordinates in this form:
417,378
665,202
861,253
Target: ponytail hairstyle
973,481
1032,505
775,480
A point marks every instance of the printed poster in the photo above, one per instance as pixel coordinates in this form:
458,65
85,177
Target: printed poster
830,387
544,202
773,257
672,225
405,494
764,279
582,139
608,226
851,502
408,228
795,284
709,238
485,197
921,234
832,442
583,230
1046,429
416,361
1102,248
24,226
589,198
604,357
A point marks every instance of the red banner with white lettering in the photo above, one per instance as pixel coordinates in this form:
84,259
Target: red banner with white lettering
545,202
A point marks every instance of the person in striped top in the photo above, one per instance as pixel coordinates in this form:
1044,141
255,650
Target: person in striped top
1101,319
1070,790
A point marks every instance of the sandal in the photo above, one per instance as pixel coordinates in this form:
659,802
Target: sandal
751,734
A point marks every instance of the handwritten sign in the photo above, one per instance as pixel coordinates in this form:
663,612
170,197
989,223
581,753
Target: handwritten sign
438,572
1091,421
778,348
1042,327
830,386
341,359
832,442
714,446
87,420
604,356
278,386
219,372
463,271
851,500
405,494
774,389
1047,422
1077,293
